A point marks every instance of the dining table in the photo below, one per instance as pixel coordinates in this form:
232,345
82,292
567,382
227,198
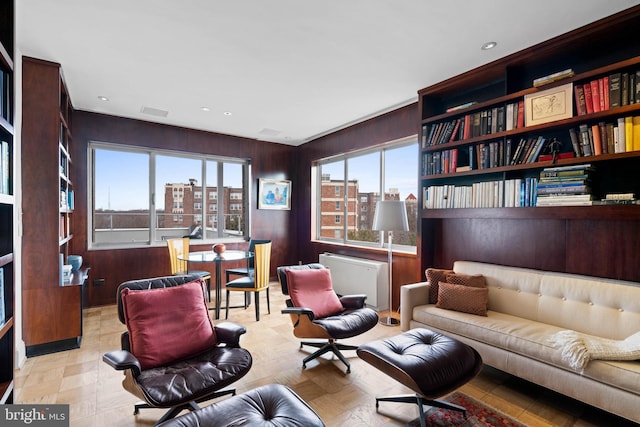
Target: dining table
218,259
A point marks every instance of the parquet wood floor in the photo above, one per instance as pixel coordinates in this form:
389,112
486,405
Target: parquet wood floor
96,398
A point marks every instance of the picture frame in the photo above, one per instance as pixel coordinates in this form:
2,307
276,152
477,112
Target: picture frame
548,105
274,194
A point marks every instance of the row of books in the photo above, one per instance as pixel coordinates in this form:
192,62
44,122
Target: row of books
604,93
488,194
67,201
483,156
565,186
479,123
5,96
606,138
5,168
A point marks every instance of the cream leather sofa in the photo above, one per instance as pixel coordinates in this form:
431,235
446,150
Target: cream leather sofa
525,308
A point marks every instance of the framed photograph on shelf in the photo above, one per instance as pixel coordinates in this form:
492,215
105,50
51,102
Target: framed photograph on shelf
274,194
548,105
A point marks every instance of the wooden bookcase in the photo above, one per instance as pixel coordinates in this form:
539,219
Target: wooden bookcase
596,240
52,308
7,303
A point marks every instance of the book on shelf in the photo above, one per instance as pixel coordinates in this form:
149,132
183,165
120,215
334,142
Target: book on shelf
614,90
624,89
588,98
581,106
559,156
619,196
616,202
541,81
595,96
460,107
5,166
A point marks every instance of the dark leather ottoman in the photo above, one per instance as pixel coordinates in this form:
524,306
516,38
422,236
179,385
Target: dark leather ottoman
272,404
429,363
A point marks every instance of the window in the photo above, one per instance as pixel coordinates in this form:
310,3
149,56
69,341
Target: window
142,197
353,183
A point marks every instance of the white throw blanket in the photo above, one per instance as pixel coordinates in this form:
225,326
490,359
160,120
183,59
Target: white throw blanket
578,349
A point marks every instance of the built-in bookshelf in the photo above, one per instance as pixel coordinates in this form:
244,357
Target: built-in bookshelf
7,302
52,307
488,135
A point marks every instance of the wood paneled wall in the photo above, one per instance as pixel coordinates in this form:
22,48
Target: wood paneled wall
115,266
391,126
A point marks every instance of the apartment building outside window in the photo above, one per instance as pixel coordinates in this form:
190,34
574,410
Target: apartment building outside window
353,183
142,196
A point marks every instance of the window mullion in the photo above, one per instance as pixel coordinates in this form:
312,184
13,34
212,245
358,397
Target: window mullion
153,220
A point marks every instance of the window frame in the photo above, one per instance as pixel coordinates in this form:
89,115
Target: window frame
316,212
151,154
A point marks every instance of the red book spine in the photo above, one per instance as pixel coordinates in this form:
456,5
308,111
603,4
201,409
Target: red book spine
597,142
588,100
467,127
595,95
605,91
520,122
581,107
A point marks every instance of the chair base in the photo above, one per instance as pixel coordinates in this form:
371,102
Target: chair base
323,348
422,401
174,411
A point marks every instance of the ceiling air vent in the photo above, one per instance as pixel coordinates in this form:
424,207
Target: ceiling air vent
154,111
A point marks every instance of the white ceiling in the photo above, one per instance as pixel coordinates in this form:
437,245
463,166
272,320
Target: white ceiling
288,71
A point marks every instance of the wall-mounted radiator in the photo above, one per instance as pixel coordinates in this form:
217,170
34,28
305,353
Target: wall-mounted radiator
351,275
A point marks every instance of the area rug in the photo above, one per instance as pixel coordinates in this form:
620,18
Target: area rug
478,414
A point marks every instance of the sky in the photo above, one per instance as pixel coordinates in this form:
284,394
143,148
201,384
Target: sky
121,181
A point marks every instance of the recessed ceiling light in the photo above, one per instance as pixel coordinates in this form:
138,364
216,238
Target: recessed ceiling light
205,109
489,45
227,113
103,98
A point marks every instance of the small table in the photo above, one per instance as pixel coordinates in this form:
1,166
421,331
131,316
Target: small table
218,259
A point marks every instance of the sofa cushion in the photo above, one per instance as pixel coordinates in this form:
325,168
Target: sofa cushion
312,289
462,298
156,335
434,277
473,280
525,337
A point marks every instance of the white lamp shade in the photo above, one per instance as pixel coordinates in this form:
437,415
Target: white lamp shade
391,215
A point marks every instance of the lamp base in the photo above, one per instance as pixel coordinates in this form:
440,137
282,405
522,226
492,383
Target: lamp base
389,321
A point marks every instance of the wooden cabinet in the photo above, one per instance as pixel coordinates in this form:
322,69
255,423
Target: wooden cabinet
7,305
594,240
52,309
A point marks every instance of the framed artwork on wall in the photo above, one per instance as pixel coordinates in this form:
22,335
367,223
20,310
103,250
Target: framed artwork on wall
274,194
549,105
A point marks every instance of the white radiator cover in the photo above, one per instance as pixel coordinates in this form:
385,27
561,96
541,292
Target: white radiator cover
351,275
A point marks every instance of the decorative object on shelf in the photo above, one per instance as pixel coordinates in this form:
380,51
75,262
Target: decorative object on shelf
219,248
66,273
274,194
390,215
75,261
549,105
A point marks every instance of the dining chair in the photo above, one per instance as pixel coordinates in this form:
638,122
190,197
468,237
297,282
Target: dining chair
256,281
179,248
245,271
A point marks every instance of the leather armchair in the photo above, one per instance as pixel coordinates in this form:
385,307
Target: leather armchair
354,319
182,383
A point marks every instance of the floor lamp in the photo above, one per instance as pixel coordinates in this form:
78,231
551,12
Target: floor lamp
390,215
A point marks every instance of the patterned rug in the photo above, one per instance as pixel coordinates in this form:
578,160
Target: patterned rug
478,415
